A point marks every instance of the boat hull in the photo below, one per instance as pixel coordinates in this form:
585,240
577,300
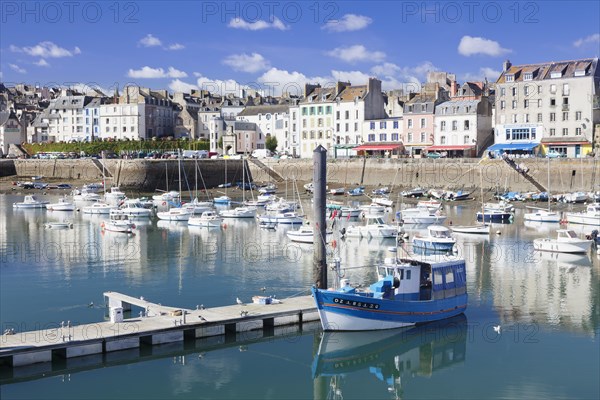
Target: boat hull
574,218
580,246
542,216
432,245
351,312
475,229
496,217
425,220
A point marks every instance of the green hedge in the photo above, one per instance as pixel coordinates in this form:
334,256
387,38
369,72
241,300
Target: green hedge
117,147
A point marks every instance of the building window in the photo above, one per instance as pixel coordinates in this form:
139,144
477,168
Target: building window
466,125
394,137
382,125
371,137
312,111
422,122
565,131
337,115
467,140
410,125
443,126
514,91
347,127
539,103
578,131
552,117
552,132
410,138
356,127
514,104
347,115
395,124
454,125
320,110
539,117
502,91
514,118
372,125
510,78
553,88
526,118
526,103
528,76
443,140
565,90
356,114
577,115
422,137
526,90
382,137
502,105
565,116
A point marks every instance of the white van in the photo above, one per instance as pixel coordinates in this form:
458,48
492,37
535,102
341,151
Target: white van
262,153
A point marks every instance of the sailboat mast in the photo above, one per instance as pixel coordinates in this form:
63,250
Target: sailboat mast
548,184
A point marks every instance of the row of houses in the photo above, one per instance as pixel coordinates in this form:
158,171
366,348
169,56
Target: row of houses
529,108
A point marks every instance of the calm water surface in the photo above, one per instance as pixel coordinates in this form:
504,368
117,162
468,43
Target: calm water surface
548,307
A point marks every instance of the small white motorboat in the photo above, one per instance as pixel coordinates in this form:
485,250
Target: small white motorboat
63,205
166,199
114,196
239,212
118,222
375,227
97,208
135,209
85,195
174,214
566,241
420,216
198,207
303,235
208,219
591,216
541,215
576,197
383,201
432,205
222,200
337,191
479,229
373,208
287,218
438,238
30,202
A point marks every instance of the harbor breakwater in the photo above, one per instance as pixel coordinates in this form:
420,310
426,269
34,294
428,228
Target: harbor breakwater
453,174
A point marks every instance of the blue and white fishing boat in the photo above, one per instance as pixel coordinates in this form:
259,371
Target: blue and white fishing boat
408,292
495,216
358,191
438,238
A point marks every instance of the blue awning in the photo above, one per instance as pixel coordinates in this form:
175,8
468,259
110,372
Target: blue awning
512,146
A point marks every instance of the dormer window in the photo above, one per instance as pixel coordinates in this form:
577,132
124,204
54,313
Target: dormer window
579,72
556,74
510,78
528,76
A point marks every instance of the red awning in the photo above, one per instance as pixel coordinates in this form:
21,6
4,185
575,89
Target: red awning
447,148
378,147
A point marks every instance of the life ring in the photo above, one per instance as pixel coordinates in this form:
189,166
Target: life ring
164,203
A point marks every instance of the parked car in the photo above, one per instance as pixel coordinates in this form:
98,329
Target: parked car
555,154
433,154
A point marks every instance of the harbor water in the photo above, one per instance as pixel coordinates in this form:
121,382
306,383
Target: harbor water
531,329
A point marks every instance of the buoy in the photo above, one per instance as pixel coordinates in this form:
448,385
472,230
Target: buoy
164,203
498,233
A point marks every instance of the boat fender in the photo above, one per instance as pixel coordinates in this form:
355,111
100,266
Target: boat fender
396,283
334,243
102,225
164,203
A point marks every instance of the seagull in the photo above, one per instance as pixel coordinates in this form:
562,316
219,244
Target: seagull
91,304
497,329
264,289
241,303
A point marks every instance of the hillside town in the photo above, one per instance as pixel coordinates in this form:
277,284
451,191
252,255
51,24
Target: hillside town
545,109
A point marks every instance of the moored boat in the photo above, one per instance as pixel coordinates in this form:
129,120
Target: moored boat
30,201
591,215
63,204
174,214
438,238
305,234
375,227
566,241
420,215
97,208
208,219
118,222
408,292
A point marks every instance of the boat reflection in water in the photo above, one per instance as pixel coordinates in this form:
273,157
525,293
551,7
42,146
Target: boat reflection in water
390,355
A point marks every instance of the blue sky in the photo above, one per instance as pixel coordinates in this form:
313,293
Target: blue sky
218,45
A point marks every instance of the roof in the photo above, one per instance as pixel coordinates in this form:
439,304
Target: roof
543,71
352,92
461,104
320,95
564,140
268,109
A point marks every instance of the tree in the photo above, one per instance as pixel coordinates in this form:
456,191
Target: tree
271,143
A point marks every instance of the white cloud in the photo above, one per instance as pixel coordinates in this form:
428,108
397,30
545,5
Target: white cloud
46,50
181,86
386,69
150,41
354,77
155,73
247,63
356,53
292,82
221,87
42,63
595,38
477,45
238,23
349,22
484,72
175,46
18,69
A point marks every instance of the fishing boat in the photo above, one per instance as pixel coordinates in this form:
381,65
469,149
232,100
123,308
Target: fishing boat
208,219
305,234
408,292
566,241
591,215
239,212
97,208
381,191
30,201
542,215
85,195
358,191
63,205
373,208
118,222
114,196
336,210
383,201
420,215
375,227
457,196
575,197
134,208
416,192
222,200
438,238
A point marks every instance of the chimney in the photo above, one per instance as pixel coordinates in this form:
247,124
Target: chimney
506,65
339,86
452,88
374,86
308,88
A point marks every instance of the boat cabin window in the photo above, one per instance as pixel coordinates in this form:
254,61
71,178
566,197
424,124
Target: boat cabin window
571,234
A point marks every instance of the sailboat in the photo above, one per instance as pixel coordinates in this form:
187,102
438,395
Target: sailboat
176,213
244,211
196,206
479,228
540,214
223,199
